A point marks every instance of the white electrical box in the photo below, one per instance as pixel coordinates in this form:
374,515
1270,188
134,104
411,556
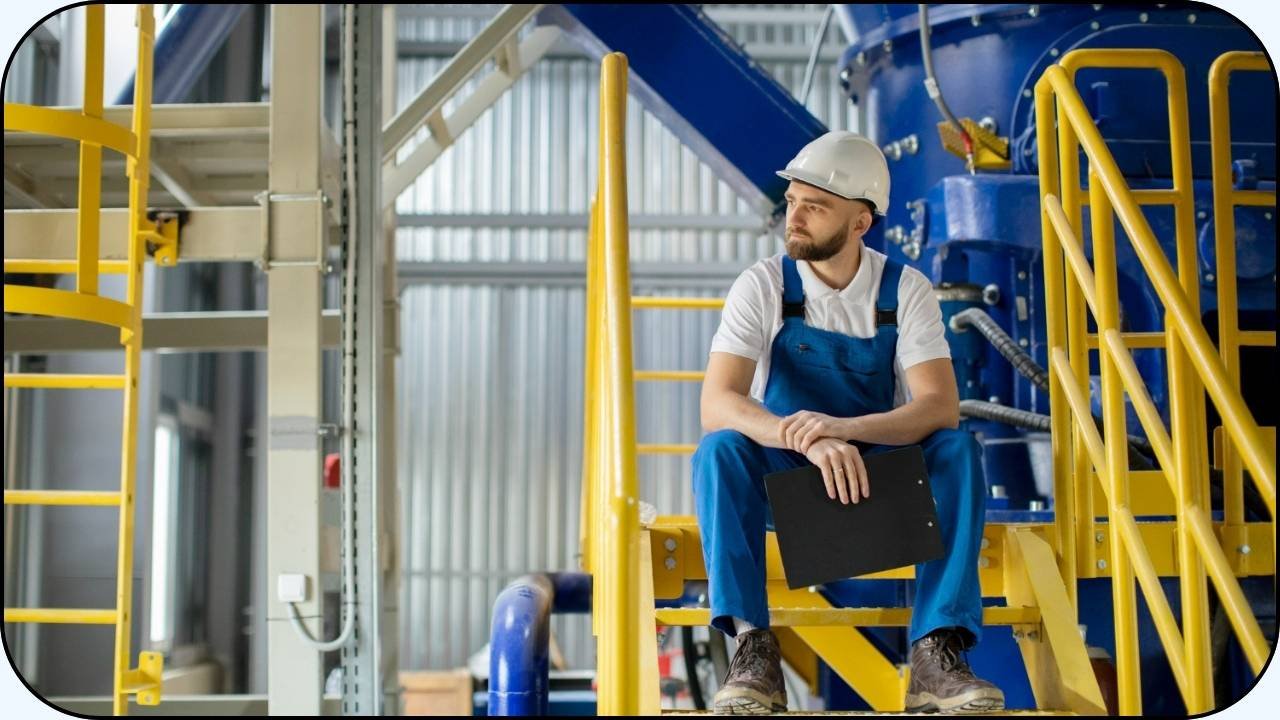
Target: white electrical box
291,588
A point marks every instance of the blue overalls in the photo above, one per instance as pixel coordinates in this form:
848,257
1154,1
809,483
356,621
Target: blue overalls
842,376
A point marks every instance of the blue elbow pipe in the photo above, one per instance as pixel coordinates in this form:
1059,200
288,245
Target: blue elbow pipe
188,38
519,670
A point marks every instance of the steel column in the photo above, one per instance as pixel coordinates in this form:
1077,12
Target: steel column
371,660
294,303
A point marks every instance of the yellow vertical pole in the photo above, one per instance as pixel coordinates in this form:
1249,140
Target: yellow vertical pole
1064,509
138,170
1116,445
90,190
1187,407
1077,349
1224,230
1224,234
624,525
589,398
599,401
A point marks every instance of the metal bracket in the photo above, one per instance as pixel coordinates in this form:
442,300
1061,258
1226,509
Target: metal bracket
160,232
265,200
146,680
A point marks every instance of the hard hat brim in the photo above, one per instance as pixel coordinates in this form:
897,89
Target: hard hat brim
821,183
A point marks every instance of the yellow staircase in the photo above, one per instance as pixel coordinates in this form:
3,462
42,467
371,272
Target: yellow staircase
1098,528
85,303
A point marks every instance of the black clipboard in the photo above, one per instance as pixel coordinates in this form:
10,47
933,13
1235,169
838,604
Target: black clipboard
822,540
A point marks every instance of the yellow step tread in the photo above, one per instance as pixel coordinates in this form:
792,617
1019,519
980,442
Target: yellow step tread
82,498
845,617
63,381
61,616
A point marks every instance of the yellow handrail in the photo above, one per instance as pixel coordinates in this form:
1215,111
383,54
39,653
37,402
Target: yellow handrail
615,493
1225,198
1071,287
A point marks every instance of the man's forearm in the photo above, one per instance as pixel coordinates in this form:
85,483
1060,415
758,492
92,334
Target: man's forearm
906,424
728,410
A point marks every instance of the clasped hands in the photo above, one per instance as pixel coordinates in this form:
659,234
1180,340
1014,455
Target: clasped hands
823,439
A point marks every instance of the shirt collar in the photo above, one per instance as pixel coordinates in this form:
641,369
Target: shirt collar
815,288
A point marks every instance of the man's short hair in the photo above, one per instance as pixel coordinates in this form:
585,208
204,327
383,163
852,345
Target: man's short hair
871,207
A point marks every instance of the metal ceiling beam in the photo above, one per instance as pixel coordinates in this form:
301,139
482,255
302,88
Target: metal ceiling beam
208,234
565,50
212,118
162,332
575,221
650,274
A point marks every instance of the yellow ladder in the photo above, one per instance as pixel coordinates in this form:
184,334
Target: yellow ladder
86,304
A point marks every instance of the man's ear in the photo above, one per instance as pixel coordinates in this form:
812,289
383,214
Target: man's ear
864,221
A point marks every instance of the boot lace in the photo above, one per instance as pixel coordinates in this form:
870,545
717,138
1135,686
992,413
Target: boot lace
953,657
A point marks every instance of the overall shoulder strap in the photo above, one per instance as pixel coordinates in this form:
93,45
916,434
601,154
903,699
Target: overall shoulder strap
887,300
792,291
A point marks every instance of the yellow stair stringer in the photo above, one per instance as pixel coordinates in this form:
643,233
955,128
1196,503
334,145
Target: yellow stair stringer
1053,651
879,681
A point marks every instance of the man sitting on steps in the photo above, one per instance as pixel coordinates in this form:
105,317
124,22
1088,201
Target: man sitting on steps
828,345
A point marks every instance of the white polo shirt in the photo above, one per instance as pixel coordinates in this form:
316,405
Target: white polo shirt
753,315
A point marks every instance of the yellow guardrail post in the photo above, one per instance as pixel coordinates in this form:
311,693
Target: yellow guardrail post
1077,348
1225,198
1065,509
589,370
619,643
1117,452
90,192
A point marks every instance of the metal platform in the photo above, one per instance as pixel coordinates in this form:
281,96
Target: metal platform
206,155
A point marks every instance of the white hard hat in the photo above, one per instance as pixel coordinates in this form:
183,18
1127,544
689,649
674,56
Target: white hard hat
846,164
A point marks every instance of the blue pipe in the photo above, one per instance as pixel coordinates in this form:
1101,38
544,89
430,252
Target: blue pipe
187,40
519,670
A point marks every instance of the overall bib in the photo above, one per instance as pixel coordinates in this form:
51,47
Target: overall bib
842,376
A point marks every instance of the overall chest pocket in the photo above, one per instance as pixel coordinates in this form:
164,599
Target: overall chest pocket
827,357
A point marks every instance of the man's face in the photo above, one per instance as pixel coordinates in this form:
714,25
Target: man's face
819,223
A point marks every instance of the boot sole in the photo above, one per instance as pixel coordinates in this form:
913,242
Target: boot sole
744,701
982,700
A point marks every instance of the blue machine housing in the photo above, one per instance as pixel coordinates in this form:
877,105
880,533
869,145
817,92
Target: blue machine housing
983,230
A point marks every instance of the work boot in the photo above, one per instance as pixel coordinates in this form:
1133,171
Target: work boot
941,680
754,684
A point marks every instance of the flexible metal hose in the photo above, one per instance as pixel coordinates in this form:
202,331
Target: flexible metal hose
1026,366
1139,448
996,412
1005,345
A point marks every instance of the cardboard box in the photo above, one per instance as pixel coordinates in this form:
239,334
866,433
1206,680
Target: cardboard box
444,692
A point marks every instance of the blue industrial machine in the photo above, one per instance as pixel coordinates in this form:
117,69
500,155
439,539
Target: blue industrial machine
971,221
977,234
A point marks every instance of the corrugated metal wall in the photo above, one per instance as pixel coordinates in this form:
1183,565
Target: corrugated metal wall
491,373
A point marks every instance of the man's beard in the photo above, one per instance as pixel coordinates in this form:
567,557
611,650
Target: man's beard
804,247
